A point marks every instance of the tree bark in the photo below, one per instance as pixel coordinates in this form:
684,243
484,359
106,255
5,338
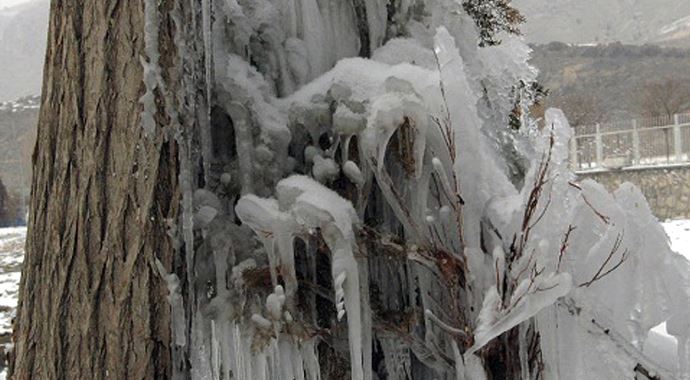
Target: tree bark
92,305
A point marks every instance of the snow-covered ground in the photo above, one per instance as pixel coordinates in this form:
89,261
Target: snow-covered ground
679,233
11,258
660,345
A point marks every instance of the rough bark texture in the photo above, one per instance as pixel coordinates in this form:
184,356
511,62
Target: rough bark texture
92,305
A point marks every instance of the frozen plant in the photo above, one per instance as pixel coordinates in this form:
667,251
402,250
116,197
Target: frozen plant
352,209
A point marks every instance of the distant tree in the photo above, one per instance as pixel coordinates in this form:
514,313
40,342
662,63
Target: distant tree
3,204
10,207
581,109
7,207
663,98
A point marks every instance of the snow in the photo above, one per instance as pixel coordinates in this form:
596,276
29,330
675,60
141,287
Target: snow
11,258
679,235
325,169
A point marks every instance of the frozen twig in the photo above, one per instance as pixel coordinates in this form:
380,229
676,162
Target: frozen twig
601,273
564,246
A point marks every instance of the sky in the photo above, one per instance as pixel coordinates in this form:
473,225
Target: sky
9,3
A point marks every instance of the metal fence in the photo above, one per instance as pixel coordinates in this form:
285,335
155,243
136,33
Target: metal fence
643,142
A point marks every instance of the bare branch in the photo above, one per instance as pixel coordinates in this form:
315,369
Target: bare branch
601,273
564,246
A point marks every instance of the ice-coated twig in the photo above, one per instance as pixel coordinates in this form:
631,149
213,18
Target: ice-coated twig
601,273
446,327
564,246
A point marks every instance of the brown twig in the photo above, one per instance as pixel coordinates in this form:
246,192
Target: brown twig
601,273
564,246
601,216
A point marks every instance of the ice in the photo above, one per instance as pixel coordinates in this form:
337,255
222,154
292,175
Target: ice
478,179
310,205
325,169
526,303
347,122
152,78
405,50
204,216
353,173
245,151
364,78
420,130
390,112
178,324
275,302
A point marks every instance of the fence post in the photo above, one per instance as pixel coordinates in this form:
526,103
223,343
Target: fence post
574,165
599,146
636,144
677,139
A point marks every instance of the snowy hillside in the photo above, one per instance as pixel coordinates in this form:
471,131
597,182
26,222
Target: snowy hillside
23,31
587,21
676,33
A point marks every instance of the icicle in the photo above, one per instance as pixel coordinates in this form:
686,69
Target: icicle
178,324
447,328
390,112
459,361
683,357
185,179
245,148
205,123
474,369
261,215
479,177
397,357
499,258
522,351
314,206
353,173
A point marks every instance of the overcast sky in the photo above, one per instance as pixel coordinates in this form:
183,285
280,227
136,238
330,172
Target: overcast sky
9,3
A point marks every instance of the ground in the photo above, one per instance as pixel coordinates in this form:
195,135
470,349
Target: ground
12,255
11,258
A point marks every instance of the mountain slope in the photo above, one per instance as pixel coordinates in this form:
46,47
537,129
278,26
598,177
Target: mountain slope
23,30
596,21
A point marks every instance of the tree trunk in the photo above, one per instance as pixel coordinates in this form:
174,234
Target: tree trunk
92,304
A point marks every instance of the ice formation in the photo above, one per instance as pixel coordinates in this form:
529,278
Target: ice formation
348,195
151,67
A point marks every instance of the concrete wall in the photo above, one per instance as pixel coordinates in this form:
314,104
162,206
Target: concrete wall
667,188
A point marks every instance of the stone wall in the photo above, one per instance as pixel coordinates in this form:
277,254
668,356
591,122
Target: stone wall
667,188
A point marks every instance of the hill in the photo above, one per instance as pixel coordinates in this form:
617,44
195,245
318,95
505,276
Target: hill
17,135
596,21
23,31
611,76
